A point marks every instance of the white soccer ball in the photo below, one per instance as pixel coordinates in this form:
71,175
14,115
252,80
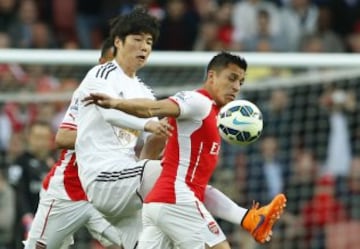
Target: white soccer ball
240,122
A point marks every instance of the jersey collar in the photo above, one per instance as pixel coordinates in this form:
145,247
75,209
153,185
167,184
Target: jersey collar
204,92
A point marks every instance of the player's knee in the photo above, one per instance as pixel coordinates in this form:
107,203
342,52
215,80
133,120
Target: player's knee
40,245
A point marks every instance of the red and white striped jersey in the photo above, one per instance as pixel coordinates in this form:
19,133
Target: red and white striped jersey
191,153
62,181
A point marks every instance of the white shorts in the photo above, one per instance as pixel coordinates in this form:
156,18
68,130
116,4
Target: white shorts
183,226
119,198
57,220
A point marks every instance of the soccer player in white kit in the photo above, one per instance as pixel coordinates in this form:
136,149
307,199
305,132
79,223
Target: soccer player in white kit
108,167
63,207
173,213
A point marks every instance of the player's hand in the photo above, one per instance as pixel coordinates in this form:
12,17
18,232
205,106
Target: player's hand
100,99
161,128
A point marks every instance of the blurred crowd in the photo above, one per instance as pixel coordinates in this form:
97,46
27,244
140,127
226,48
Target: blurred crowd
310,147
205,25
310,151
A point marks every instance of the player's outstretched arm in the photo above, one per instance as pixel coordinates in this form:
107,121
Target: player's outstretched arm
143,108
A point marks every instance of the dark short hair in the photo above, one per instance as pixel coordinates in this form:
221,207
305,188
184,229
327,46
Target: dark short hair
106,45
223,59
137,21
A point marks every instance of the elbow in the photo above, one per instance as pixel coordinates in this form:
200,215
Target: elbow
61,143
65,140
58,141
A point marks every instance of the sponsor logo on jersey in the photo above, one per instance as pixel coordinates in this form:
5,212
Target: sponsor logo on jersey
215,148
126,135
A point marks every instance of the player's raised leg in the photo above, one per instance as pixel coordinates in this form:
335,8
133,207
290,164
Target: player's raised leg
260,220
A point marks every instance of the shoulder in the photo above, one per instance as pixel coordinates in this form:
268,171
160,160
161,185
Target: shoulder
102,71
147,89
191,97
192,104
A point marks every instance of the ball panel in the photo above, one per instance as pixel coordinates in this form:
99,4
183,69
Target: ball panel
240,122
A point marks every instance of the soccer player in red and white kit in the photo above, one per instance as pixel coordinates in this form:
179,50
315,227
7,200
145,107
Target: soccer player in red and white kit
63,207
173,213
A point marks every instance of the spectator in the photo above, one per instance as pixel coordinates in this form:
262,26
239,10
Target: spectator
353,42
323,39
244,18
267,173
347,15
42,36
88,21
20,114
298,20
207,38
5,129
312,43
226,29
299,190
5,40
7,211
7,14
263,40
331,40
277,115
349,189
64,28
205,8
323,209
13,149
178,28
26,175
338,103
21,30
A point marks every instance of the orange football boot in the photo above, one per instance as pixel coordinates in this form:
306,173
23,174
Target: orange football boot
259,221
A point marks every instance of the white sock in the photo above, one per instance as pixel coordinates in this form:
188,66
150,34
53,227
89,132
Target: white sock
222,206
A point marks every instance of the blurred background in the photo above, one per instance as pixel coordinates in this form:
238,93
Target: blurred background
310,146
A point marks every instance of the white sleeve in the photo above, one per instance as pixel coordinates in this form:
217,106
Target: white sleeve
115,117
69,120
192,105
121,119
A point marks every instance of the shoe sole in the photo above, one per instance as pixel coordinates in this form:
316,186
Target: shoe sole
275,209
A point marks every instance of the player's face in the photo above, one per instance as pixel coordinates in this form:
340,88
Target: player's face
225,84
40,139
133,53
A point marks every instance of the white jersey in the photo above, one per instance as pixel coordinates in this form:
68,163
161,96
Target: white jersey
62,182
106,138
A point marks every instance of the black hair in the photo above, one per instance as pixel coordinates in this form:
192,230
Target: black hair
223,59
136,22
106,45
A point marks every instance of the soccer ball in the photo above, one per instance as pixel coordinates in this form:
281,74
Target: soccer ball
240,122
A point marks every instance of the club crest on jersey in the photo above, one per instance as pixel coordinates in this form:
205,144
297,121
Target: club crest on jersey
213,227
